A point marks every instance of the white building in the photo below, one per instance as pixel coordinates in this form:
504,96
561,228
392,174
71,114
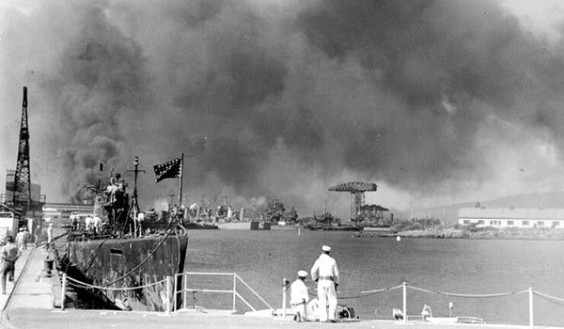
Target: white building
512,217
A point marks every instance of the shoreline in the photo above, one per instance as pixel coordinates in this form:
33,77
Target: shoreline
483,234
468,233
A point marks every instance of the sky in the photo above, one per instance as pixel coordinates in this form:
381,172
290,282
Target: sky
436,102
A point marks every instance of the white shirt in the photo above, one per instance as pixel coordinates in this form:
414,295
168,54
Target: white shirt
88,222
325,266
20,237
97,222
49,233
298,292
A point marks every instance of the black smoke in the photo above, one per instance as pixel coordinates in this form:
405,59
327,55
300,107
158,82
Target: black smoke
450,66
288,99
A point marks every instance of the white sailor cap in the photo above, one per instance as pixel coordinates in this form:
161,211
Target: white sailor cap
302,274
326,248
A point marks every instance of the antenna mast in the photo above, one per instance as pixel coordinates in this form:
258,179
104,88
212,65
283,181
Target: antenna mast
134,207
134,198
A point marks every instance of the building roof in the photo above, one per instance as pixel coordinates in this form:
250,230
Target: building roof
512,213
4,207
53,206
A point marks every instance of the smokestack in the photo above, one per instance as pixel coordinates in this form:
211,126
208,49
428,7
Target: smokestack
24,104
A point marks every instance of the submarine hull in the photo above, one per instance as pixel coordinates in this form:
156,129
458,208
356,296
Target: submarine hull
128,273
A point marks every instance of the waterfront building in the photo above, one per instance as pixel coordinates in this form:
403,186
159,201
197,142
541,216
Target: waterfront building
512,217
59,213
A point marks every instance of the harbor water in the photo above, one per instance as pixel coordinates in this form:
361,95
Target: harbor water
473,267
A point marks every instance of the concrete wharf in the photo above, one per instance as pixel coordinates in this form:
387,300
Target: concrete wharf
33,301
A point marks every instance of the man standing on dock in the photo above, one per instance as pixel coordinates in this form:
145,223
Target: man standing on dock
20,240
49,235
326,274
27,237
9,254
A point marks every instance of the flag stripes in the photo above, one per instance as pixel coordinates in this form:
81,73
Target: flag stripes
170,169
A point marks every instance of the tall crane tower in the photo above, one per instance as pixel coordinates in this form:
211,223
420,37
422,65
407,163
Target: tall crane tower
22,198
356,189
22,178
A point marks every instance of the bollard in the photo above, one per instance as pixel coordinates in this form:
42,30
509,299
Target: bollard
48,267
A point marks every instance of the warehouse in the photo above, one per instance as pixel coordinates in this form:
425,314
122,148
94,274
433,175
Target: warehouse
512,217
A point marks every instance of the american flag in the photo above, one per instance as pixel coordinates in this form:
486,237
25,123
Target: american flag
171,169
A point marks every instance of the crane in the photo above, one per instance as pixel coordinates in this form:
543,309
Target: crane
19,194
357,190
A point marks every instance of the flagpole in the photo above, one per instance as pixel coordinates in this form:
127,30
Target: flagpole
181,174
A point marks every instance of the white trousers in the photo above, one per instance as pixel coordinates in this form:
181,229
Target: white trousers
327,296
301,310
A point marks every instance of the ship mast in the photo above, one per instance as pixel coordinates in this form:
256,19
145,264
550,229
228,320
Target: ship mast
134,198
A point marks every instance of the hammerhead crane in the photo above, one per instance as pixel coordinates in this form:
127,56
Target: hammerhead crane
356,189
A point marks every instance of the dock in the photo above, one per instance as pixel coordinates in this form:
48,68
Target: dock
33,301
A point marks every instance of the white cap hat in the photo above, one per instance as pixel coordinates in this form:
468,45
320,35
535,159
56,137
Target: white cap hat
326,248
302,274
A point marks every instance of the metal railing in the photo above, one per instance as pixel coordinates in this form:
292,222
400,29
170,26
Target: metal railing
237,282
172,290
530,293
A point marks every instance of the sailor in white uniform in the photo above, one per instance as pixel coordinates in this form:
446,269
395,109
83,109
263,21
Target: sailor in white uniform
326,274
299,296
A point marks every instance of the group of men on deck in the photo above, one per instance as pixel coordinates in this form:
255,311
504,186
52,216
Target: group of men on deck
326,273
91,223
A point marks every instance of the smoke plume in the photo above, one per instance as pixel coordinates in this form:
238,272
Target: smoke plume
430,99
